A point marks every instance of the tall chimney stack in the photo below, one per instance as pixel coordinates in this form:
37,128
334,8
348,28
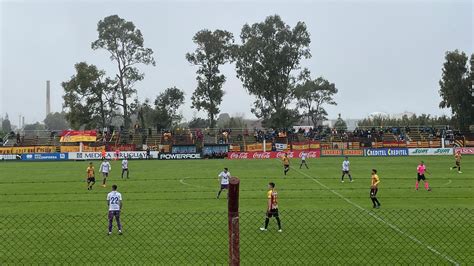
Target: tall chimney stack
48,98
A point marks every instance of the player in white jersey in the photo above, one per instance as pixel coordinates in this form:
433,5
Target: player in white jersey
303,159
105,169
124,166
345,169
224,178
114,202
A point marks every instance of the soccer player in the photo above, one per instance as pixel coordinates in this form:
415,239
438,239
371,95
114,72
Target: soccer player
375,180
286,163
90,176
272,207
105,168
117,154
303,159
125,166
114,202
458,158
104,154
345,169
421,169
223,177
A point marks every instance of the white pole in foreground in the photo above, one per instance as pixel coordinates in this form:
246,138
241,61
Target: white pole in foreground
264,145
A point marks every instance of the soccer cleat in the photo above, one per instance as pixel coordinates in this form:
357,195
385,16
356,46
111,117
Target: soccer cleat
120,232
279,230
352,181
263,229
429,189
450,168
109,233
103,185
459,172
377,207
342,181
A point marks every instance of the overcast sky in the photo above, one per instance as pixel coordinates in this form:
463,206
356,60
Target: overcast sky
383,56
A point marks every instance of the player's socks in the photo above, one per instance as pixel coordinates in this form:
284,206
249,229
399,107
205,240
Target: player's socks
219,193
416,185
427,186
377,201
267,220
350,178
278,222
373,202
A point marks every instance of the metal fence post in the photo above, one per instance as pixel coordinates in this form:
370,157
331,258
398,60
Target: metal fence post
233,207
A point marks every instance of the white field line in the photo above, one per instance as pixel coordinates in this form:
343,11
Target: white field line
183,181
449,182
380,219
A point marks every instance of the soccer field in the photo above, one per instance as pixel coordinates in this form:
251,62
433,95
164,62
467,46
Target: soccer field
171,214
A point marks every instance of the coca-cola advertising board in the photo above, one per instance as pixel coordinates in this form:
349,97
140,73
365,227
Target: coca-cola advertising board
465,150
271,154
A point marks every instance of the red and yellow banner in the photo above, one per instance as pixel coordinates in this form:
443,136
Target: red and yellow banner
259,147
78,136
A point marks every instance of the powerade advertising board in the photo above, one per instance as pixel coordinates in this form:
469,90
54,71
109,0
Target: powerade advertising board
386,152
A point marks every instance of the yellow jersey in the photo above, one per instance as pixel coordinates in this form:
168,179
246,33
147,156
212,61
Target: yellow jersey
285,160
272,195
458,157
90,171
375,180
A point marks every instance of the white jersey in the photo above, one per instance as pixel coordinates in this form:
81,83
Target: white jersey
303,156
125,164
345,166
224,177
105,167
114,199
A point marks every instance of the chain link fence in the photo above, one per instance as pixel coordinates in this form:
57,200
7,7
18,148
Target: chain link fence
332,236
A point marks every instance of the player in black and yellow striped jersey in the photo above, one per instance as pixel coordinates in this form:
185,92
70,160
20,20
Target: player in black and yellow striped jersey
90,176
272,207
286,163
374,188
457,158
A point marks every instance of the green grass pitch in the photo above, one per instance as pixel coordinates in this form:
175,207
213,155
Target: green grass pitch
171,214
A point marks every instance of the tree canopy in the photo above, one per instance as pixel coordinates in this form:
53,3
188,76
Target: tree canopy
125,44
265,62
214,48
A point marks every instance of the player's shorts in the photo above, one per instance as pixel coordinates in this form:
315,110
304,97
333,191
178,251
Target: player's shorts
272,213
303,161
286,166
90,179
113,214
458,164
421,177
345,172
224,186
373,192
124,169
105,174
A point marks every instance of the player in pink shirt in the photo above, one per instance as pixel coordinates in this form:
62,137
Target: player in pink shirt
421,170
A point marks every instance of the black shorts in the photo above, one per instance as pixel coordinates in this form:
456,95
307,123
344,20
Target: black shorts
272,213
104,174
286,166
345,172
421,177
224,186
373,192
90,179
458,164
